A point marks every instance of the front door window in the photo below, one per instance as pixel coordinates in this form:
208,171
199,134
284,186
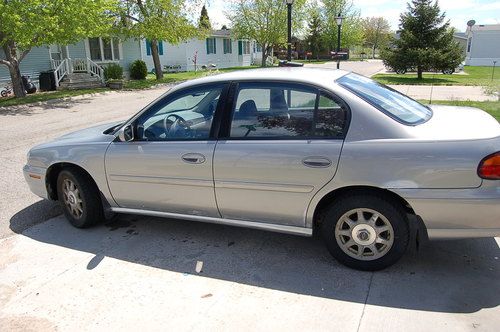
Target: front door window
187,116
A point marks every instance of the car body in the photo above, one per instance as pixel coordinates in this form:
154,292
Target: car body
277,149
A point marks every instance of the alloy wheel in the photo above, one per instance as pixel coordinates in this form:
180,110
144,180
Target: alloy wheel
364,234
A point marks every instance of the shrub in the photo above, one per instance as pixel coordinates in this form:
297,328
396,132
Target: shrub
138,70
113,72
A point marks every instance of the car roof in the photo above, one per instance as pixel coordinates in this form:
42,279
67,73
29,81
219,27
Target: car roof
321,76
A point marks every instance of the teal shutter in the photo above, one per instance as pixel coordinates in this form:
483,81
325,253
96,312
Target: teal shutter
148,47
160,47
215,45
240,47
206,41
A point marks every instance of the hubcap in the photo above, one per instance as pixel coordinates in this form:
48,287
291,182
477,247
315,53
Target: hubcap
364,234
72,198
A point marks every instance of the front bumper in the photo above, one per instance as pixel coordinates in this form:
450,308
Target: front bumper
35,178
458,213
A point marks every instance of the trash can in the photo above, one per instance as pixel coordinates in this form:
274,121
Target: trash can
47,80
284,63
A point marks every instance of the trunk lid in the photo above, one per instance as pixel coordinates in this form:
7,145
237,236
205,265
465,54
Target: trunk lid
458,123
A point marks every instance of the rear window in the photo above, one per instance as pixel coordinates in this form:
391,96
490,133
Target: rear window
391,102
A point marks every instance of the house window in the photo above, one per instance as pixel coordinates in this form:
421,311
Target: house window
211,46
148,47
104,49
228,47
243,47
258,48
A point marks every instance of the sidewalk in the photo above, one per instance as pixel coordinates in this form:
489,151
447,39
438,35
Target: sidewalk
441,92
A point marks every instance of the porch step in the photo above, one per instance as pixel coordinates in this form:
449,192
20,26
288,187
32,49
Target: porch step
76,81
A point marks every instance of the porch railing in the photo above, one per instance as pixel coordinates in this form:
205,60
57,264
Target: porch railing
67,66
61,70
95,69
56,63
88,66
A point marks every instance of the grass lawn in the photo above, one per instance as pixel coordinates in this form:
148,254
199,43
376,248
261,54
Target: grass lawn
492,107
149,82
476,76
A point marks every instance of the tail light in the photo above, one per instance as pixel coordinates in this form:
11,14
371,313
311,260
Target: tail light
489,167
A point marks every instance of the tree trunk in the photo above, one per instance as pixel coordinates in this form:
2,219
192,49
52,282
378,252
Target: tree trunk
419,72
17,82
264,56
14,70
156,59
373,51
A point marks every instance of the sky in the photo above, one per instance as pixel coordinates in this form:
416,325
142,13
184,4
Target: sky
457,11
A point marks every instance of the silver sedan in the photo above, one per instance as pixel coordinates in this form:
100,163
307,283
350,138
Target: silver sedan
294,150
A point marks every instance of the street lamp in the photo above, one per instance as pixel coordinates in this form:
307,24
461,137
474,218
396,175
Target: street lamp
289,4
339,19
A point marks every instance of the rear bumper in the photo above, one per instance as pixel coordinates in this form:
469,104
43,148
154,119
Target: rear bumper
35,178
458,213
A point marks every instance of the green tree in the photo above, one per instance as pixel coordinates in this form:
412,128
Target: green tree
376,33
28,24
204,21
157,20
264,21
426,40
352,33
314,38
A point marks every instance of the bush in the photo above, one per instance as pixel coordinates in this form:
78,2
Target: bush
113,72
138,70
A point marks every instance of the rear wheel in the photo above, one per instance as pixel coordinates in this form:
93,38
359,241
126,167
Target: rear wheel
79,198
400,71
366,232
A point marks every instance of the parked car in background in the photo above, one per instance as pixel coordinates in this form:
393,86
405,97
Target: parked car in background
446,71
293,150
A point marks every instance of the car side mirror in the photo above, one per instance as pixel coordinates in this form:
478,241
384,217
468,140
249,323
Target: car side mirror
126,133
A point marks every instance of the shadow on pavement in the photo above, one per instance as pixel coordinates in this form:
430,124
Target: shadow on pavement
29,109
446,276
34,214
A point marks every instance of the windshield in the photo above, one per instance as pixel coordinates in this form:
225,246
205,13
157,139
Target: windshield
396,105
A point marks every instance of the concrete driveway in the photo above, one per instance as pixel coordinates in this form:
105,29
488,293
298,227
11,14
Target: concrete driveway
141,273
366,68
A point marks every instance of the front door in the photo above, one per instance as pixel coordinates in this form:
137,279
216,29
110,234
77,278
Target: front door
168,167
282,145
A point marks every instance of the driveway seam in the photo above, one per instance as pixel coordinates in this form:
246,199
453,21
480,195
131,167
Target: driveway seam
366,300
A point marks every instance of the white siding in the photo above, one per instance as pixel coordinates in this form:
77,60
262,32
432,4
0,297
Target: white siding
182,55
485,48
130,51
36,61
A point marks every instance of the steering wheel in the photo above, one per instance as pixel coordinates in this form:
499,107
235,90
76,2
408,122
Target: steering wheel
177,123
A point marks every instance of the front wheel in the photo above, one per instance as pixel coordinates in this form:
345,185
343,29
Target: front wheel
400,71
448,71
4,93
80,198
366,232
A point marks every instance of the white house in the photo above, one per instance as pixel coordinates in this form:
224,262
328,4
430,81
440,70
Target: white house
483,45
219,49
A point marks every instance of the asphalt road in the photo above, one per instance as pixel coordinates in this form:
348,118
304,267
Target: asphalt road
140,273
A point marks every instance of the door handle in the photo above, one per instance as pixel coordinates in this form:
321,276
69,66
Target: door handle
316,162
193,158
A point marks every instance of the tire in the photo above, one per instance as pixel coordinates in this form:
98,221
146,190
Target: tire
400,71
81,202
370,245
448,71
4,93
